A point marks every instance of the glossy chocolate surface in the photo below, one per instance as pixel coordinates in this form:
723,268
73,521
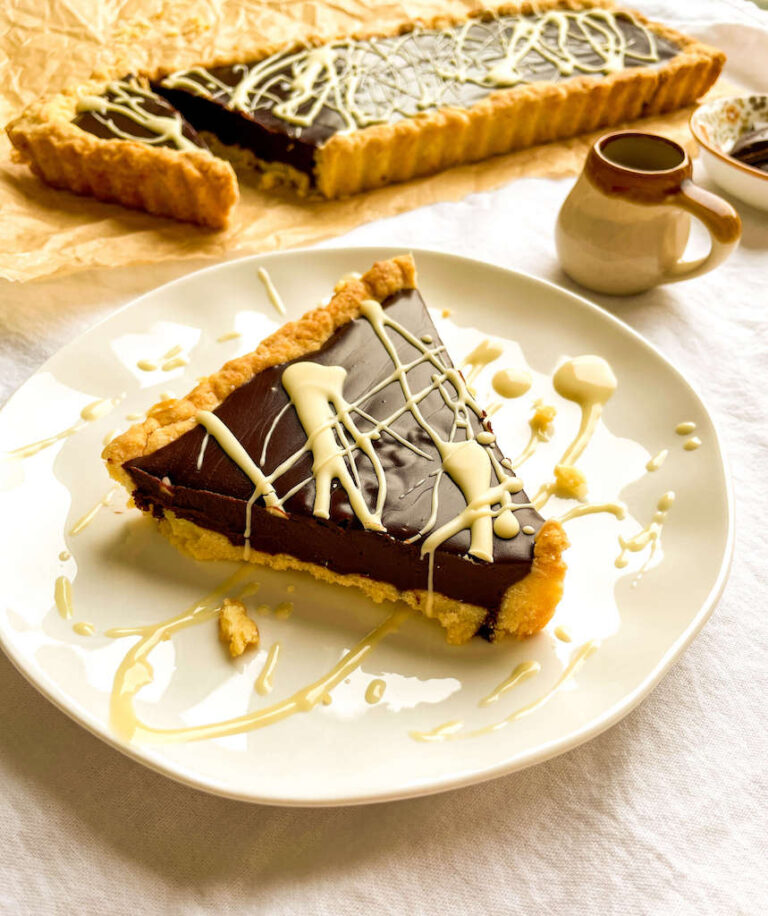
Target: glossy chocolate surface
103,126
215,496
405,75
752,148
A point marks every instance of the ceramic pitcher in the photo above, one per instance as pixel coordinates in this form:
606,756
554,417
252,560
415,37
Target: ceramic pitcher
624,226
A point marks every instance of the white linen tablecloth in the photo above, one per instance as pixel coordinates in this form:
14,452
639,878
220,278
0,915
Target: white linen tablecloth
664,813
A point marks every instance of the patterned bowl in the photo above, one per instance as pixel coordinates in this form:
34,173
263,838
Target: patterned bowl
717,126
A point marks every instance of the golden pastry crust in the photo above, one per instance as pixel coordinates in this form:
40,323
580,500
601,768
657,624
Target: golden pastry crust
527,605
193,186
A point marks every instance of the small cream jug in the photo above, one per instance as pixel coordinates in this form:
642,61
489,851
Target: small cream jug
624,226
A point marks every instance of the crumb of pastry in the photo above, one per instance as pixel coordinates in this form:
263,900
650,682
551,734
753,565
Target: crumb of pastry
236,628
570,482
542,418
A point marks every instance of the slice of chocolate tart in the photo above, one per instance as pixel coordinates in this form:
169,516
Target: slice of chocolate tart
348,445
120,141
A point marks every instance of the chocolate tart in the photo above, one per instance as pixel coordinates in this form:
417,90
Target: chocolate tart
121,142
359,112
347,445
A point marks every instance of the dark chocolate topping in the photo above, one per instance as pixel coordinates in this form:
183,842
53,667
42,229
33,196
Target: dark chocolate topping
752,148
399,77
216,495
127,123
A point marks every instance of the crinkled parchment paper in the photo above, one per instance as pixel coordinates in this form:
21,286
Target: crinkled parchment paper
48,44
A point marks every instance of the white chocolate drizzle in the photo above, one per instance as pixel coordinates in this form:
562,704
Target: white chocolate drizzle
284,610
656,462
685,428
135,672
522,672
84,628
91,514
91,412
589,382
487,351
128,99
511,383
263,684
454,730
386,78
269,286
541,430
692,444
375,691
62,596
648,536
617,509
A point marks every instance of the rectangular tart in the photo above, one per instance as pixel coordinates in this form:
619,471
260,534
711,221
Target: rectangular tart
360,112
347,445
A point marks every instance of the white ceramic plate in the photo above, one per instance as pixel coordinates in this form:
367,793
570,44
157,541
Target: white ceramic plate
125,574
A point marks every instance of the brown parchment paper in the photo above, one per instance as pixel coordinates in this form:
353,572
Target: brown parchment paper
48,44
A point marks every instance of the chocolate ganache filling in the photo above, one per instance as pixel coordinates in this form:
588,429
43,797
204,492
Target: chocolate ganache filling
283,107
126,110
259,414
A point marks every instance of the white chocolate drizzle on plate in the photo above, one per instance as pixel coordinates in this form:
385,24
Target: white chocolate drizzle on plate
269,286
62,596
375,690
589,382
264,684
650,536
656,462
487,351
91,514
135,672
228,335
455,730
521,673
91,412
512,383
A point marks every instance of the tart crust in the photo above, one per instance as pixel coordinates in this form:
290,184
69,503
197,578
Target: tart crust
526,607
193,186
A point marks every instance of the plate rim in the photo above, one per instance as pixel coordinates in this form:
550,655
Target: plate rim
539,754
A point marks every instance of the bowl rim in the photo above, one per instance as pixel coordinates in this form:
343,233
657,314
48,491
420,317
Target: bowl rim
700,139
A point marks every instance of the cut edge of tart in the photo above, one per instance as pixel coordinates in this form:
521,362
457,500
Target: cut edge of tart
528,603
189,184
